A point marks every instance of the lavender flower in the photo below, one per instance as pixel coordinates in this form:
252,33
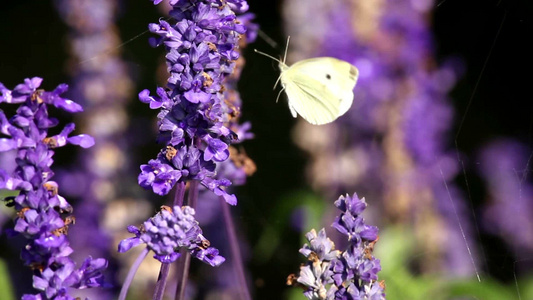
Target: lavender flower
41,211
196,122
202,49
348,274
170,230
504,166
316,274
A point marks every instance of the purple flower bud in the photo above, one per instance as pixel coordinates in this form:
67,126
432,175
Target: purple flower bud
349,223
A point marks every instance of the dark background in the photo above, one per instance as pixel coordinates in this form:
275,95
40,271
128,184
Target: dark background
494,38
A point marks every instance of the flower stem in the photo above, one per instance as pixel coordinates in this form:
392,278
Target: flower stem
179,194
161,281
235,251
183,273
131,274
185,259
193,193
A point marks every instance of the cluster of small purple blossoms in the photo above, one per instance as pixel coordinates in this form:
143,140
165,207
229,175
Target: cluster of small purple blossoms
349,274
43,216
194,122
169,231
201,52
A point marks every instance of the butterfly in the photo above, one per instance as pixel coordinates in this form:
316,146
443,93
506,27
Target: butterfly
318,89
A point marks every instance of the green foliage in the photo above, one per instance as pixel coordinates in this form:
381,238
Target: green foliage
7,193
272,235
4,209
294,293
6,292
487,289
395,249
525,287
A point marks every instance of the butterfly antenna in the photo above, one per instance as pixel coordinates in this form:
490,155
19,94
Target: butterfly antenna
286,48
276,84
267,55
279,94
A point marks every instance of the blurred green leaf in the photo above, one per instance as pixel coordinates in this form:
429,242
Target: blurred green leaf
396,248
487,290
313,207
6,292
7,193
525,287
294,294
3,194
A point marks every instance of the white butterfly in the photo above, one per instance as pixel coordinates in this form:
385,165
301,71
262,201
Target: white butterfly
318,89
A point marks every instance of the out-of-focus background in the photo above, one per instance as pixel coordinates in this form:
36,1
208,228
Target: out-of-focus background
438,140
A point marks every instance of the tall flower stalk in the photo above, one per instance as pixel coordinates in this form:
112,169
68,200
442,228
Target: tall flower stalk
43,216
195,126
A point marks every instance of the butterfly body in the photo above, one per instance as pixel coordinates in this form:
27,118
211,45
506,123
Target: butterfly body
319,89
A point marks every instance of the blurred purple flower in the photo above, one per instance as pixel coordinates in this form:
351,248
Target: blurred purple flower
504,165
102,82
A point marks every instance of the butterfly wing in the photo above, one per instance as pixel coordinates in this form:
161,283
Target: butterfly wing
304,100
320,89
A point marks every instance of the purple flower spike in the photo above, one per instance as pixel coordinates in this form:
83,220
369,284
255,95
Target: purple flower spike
41,211
349,223
194,117
198,121
353,205
169,231
349,274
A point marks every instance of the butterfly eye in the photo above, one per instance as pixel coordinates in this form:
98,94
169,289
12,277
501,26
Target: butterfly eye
328,76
